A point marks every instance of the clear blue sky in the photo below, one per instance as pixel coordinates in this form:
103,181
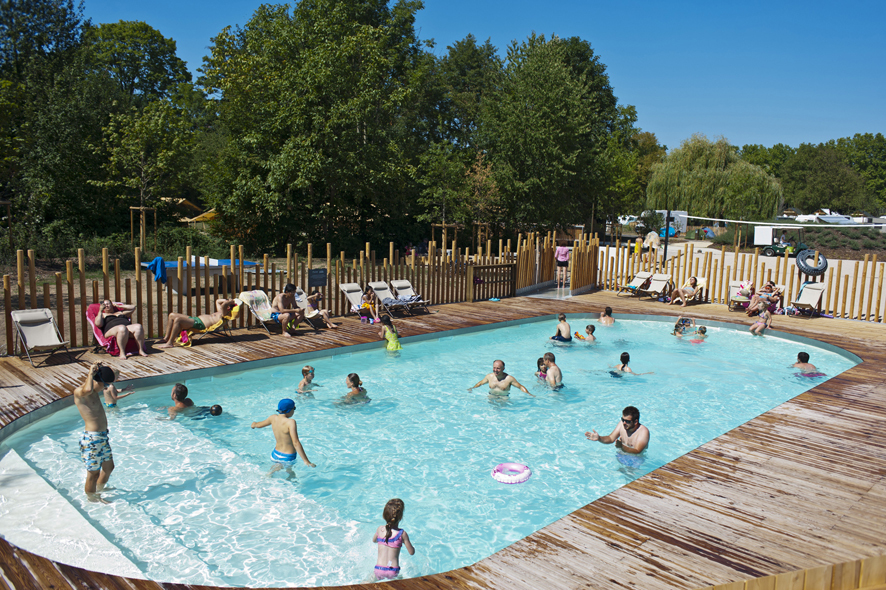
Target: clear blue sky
753,72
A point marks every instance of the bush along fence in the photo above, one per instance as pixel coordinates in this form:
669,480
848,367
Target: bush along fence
444,275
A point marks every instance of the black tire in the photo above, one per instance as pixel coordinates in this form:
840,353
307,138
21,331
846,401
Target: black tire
805,258
768,252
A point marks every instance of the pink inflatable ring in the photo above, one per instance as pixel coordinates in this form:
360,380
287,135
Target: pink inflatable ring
511,473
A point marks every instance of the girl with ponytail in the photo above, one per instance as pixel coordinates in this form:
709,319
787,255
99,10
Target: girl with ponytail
390,538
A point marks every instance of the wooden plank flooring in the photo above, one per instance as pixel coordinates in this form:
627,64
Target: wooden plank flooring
801,486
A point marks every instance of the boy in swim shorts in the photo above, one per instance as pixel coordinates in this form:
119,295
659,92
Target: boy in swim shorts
288,448
563,330
95,447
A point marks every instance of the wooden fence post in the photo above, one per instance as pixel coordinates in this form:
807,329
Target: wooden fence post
20,277
60,303
72,312
187,285
32,278
138,285
81,262
106,274
7,311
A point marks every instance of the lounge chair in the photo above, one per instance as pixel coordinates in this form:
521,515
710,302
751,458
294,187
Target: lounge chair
312,316
37,331
109,344
219,328
354,295
258,305
387,300
407,294
640,280
659,286
810,298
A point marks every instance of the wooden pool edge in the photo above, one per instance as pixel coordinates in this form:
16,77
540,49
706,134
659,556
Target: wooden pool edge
735,508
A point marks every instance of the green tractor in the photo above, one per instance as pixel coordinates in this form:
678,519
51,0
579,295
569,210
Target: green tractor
775,240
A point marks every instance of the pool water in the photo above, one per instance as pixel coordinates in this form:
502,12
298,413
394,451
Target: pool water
192,503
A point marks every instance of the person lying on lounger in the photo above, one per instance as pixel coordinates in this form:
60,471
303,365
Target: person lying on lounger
116,322
177,322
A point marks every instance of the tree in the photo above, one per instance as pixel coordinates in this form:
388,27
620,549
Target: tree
544,128
769,159
36,29
649,152
821,176
866,154
324,119
135,54
709,179
147,152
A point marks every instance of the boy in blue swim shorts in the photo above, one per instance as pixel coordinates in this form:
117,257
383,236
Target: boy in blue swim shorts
288,448
95,448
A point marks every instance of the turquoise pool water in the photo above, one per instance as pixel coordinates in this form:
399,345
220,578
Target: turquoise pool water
192,502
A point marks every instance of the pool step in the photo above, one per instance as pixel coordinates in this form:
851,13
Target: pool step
34,516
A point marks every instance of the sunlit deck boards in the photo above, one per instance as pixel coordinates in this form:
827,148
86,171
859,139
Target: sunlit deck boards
799,486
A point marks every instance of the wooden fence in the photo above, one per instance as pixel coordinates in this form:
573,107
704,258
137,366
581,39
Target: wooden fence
442,276
853,290
862,574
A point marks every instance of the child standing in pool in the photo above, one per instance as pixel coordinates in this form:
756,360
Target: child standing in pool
357,393
390,538
389,332
112,394
624,368
307,374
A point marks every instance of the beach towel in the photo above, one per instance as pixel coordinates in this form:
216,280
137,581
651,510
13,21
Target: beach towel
185,338
158,267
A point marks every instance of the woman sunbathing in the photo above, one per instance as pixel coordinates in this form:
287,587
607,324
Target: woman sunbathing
764,298
117,323
686,293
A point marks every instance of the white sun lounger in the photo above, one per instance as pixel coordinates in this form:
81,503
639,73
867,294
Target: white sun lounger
383,292
405,290
37,331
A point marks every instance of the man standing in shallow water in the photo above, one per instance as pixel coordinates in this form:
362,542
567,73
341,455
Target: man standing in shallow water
629,435
500,382
95,448
288,448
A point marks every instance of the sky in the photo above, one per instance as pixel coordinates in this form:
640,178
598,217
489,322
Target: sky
752,72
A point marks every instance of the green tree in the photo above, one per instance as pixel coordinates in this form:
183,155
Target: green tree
545,128
147,153
821,176
649,152
709,179
36,29
769,159
138,57
322,108
866,154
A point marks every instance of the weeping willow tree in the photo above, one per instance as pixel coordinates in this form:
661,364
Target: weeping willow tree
709,179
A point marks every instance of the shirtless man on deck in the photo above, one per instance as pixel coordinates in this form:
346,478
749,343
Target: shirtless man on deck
177,322
286,311
500,382
287,448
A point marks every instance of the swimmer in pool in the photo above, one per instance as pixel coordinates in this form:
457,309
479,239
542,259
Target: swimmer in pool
541,374
553,376
307,374
589,333
203,412
803,363
112,394
624,368
682,325
287,448
629,435
500,382
356,392
182,402
95,448
606,317
564,333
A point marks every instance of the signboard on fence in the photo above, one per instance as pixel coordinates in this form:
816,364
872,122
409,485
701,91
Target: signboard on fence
316,277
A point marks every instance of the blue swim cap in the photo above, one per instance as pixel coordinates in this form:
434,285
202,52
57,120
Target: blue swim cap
285,406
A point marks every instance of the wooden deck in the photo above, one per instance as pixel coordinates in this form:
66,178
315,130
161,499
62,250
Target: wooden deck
801,486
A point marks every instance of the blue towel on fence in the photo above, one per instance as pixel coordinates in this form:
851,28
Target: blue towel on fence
158,267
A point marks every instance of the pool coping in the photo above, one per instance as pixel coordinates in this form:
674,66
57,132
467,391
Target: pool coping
486,573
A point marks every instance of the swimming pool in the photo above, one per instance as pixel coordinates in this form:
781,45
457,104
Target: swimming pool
193,505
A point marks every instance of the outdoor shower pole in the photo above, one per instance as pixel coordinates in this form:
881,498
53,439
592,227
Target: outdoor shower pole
667,233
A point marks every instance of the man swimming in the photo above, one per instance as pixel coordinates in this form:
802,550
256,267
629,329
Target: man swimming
803,363
500,382
180,399
95,447
553,376
287,448
629,435
606,317
564,332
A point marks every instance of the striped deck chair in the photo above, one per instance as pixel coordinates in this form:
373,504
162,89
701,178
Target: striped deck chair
809,300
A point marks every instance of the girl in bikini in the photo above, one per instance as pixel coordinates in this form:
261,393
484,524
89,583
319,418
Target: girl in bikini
541,373
390,538
764,320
